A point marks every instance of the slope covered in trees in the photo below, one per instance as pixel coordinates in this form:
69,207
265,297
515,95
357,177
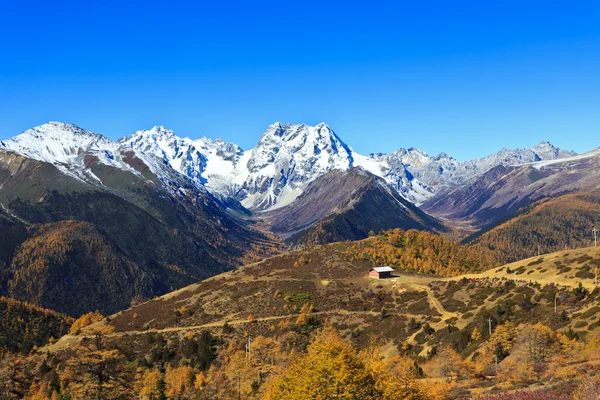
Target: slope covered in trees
70,267
421,252
550,224
309,356
137,235
23,326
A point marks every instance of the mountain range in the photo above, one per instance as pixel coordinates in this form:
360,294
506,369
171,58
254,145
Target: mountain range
287,157
160,211
273,173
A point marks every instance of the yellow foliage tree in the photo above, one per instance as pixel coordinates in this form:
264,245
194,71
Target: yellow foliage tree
329,369
448,364
147,384
85,320
179,381
476,335
397,378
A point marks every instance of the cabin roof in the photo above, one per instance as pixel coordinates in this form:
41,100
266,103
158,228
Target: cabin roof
382,269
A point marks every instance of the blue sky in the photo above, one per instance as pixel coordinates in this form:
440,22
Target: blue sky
463,77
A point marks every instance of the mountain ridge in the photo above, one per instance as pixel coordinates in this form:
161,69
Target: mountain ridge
502,191
289,156
346,205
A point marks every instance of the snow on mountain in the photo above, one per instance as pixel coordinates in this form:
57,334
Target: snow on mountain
57,143
418,176
210,163
547,151
288,157
270,175
73,150
162,143
66,146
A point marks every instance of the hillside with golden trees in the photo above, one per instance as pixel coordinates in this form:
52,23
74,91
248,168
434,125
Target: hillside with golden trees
312,324
23,326
550,224
70,267
421,252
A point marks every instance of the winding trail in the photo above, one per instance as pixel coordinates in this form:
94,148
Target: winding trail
68,340
434,301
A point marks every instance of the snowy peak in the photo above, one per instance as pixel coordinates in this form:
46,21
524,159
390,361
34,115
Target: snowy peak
179,153
211,163
418,176
158,141
287,158
72,150
273,173
57,143
287,143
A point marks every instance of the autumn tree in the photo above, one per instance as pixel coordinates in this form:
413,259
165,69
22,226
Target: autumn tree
179,382
329,369
398,378
97,372
537,342
476,335
447,363
149,384
84,321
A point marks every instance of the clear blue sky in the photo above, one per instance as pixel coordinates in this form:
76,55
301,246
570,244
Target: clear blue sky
464,77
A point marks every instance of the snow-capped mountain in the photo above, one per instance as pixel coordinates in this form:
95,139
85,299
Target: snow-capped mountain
273,173
73,150
503,190
58,143
66,146
418,176
213,164
288,157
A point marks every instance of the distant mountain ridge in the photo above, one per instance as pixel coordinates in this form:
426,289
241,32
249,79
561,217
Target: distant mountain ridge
503,190
288,157
273,173
277,170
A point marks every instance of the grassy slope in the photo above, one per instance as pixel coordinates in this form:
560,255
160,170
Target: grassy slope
275,289
423,311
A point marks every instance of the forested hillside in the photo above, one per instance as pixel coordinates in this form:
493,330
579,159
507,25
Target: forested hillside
101,243
23,326
421,252
311,321
552,224
70,267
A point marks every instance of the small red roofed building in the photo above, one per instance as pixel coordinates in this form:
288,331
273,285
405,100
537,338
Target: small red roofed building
381,272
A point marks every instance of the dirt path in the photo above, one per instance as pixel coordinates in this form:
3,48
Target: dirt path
434,301
69,340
